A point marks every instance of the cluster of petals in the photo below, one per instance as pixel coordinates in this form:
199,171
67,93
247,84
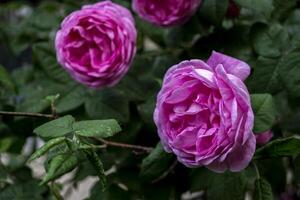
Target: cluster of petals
166,12
96,44
204,116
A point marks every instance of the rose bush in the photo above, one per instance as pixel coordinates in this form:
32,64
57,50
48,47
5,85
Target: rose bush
97,43
166,12
204,116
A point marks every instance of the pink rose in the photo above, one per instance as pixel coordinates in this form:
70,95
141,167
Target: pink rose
204,116
97,43
263,138
166,12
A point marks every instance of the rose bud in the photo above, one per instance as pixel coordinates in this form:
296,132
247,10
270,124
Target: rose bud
264,138
203,113
96,44
166,12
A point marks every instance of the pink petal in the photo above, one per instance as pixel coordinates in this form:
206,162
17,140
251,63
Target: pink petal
231,65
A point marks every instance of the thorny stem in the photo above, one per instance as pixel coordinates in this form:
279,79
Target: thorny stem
26,114
123,145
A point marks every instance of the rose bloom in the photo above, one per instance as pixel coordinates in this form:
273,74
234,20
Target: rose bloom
264,138
97,44
204,116
166,12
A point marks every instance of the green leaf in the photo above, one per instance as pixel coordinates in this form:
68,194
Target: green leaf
155,33
74,98
292,25
32,95
22,75
60,165
132,87
45,57
56,128
266,74
156,163
6,143
214,11
264,112
113,192
279,148
162,64
146,111
46,147
263,8
97,128
29,190
269,167
263,190
283,8
108,104
98,166
289,70
186,35
5,79
226,186
269,41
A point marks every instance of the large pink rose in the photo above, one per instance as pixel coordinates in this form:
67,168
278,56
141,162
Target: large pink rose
97,43
166,12
204,116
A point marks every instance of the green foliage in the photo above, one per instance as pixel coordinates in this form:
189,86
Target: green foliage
46,59
97,128
72,99
59,165
46,147
56,128
264,111
261,8
292,26
289,70
279,148
156,163
263,190
219,186
108,104
92,128
214,11
97,164
268,40
25,191
5,79
265,73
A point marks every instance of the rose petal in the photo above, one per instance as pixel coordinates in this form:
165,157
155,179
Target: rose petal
231,65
